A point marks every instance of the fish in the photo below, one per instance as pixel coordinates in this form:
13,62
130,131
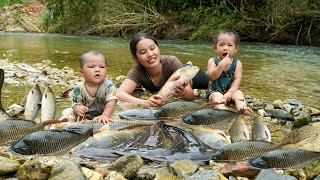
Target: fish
32,105
280,114
138,114
285,159
13,129
48,105
28,68
185,74
243,150
3,114
177,109
260,131
53,142
211,116
239,130
124,124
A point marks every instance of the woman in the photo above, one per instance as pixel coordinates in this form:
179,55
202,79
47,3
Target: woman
151,70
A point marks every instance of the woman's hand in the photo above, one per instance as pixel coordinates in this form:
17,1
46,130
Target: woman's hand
179,90
103,118
154,101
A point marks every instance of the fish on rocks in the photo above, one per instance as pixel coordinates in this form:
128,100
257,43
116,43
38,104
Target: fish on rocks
239,130
177,109
243,150
13,129
185,74
138,114
53,142
48,105
211,116
33,102
280,114
285,159
28,68
260,131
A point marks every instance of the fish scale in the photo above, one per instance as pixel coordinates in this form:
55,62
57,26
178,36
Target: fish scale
177,109
32,105
48,105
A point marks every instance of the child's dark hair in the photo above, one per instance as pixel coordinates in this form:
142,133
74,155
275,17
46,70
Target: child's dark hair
228,32
135,40
92,52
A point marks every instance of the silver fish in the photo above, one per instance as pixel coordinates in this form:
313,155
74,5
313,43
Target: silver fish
280,114
32,105
3,114
53,142
211,117
48,105
239,131
27,67
14,129
260,131
185,74
284,159
243,150
177,109
138,114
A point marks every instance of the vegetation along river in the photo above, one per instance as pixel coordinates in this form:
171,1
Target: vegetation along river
270,72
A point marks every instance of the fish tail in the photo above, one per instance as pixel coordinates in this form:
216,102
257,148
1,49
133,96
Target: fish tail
284,143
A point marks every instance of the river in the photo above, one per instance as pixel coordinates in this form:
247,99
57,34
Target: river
270,71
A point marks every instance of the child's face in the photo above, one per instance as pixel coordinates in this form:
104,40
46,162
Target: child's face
148,53
225,45
94,69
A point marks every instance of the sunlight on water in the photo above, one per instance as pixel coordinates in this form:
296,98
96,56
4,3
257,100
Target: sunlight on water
270,71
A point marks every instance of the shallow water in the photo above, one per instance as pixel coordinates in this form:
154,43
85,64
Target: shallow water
270,72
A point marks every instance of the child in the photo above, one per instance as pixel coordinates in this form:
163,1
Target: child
225,73
95,97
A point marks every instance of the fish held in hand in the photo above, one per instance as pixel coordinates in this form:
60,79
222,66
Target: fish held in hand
185,74
260,131
53,142
211,116
285,159
33,102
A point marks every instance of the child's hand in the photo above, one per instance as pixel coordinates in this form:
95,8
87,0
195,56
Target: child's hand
226,62
103,118
227,96
80,110
153,101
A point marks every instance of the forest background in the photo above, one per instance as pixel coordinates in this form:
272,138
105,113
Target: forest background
273,21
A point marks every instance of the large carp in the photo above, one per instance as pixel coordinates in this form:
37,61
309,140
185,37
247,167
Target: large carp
185,74
138,114
239,130
177,109
33,102
243,150
53,142
3,114
284,159
48,105
260,131
13,129
211,116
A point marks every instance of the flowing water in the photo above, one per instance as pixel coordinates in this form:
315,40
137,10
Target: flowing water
270,71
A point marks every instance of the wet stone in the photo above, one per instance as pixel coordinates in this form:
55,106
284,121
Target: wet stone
67,170
184,168
204,175
8,166
268,174
127,165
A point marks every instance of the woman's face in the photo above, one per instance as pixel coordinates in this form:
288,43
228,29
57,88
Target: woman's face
148,53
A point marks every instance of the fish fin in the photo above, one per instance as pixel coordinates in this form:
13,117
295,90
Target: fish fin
51,121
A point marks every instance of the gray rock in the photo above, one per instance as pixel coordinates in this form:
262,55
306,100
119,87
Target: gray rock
184,168
268,174
8,166
204,175
127,165
67,170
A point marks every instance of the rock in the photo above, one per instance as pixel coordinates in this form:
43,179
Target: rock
278,104
315,119
268,174
238,169
127,165
303,119
288,107
146,173
91,175
67,170
8,166
294,102
184,168
34,169
204,175
113,175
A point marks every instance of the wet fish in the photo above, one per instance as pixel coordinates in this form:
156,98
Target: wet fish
185,74
48,105
260,131
3,114
53,142
239,130
284,159
32,105
280,114
117,125
27,67
138,114
211,116
14,129
177,109
243,150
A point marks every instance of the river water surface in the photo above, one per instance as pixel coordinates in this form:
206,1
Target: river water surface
270,71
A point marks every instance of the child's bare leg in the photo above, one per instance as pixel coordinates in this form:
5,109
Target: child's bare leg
217,99
239,100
